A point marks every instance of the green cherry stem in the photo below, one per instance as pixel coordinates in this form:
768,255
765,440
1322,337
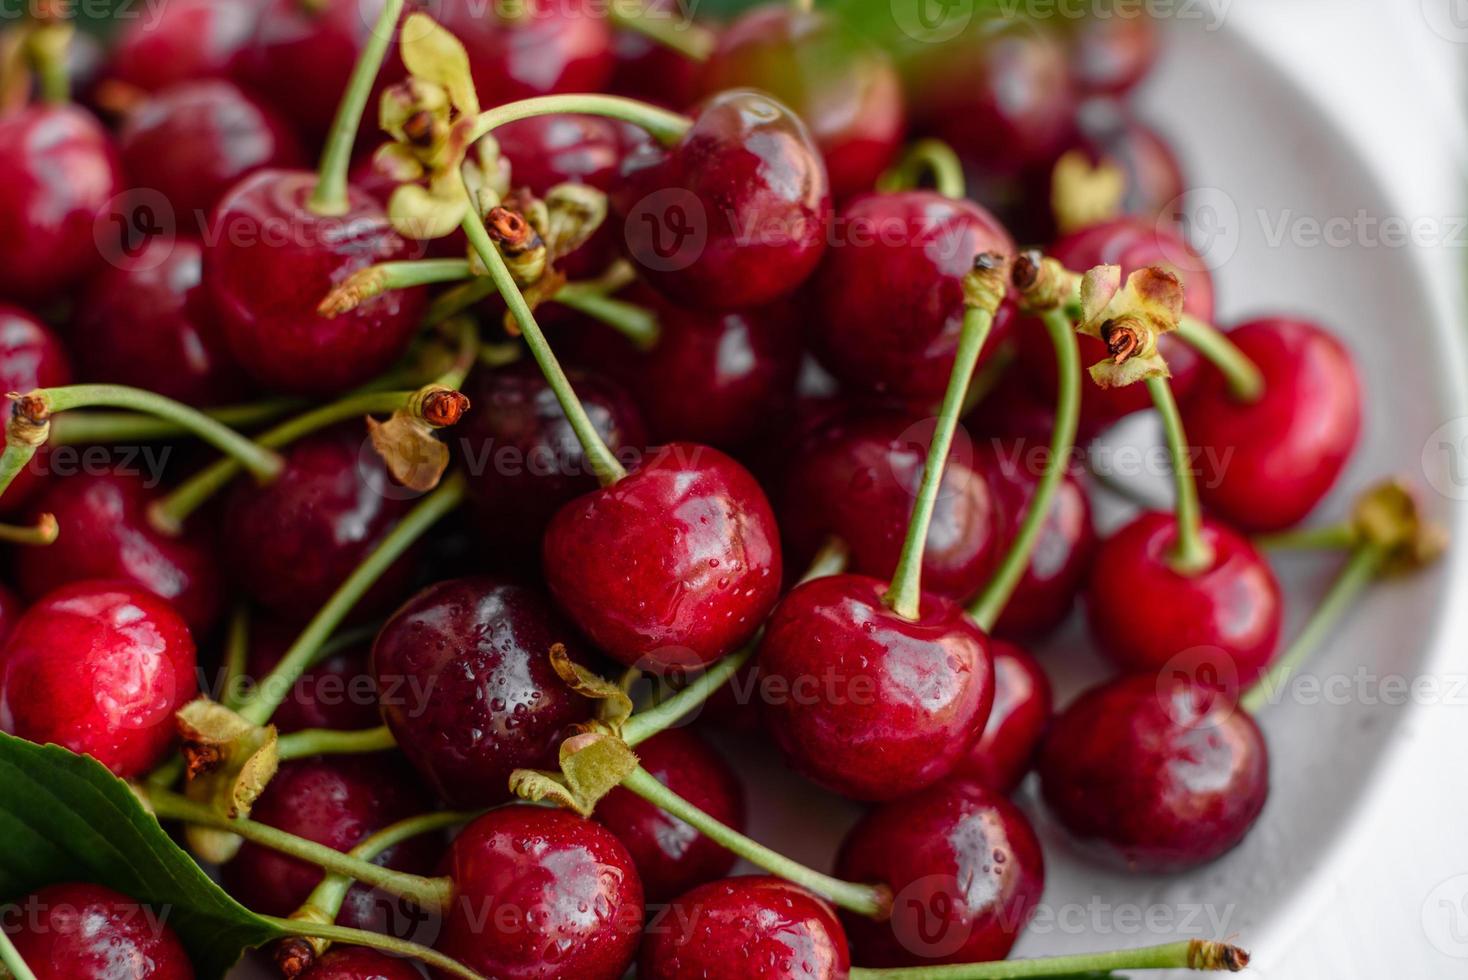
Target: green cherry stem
665,27
375,940
1191,554
48,45
45,531
996,595
82,428
1336,537
273,689
664,126
375,280
236,653
927,158
637,323
1194,954
10,957
329,199
326,741
1245,381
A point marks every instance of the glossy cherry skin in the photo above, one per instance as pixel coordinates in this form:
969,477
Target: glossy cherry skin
194,141
1286,450
361,963
1155,774
844,88
335,801
736,214
467,686
105,534
1110,55
263,231
965,869
338,693
557,48
878,706
754,927
292,542
99,668
145,321
889,295
1223,623
78,931
856,479
182,41
541,893
31,357
653,72
671,856
12,607
61,171
673,566
1023,706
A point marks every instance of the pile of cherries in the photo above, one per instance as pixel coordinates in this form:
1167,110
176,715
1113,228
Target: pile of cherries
739,501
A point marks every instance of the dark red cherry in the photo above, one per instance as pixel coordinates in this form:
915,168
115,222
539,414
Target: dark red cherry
520,455
1276,457
856,478
31,357
671,856
736,214
547,48
1063,553
560,892
12,607
105,534
193,141
674,565
338,693
651,72
1223,623
467,687
360,963
889,296
1155,774
145,321
1023,705
865,702
61,172
335,801
86,932
182,41
292,542
844,88
754,927
99,668
264,232
1110,55
965,871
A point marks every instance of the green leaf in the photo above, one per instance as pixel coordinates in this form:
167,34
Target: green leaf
64,817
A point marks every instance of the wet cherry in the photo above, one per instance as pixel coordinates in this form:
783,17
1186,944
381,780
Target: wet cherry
360,963
548,48
31,357
99,668
182,41
337,693
1023,706
79,931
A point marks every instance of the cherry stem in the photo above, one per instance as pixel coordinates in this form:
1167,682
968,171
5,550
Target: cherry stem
375,940
1194,954
263,464
11,958
48,45
330,198
931,158
599,457
905,595
326,741
274,688
1191,554
79,428
680,34
375,280
873,901
45,531
455,301
1336,537
990,604
666,127
1245,380
1361,570
637,323
236,655
431,894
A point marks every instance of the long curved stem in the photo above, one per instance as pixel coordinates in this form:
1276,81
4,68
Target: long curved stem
11,958
637,323
374,940
1245,381
325,741
1191,955
77,428
990,604
928,157
1336,537
664,126
1191,554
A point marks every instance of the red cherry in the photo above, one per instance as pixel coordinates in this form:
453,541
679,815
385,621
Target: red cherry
292,542
1224,622
360,963
12,607
844,88
561,895
1155,774
99,668
866,703
182,41
31,357
338,693
79,932
264,232
1110,55
464,675
1023,706
337,802
747,928
1279,455
61,172
890,292
965,870
671,856
674,565
652,72
736,214
193,141
553,49
145,321
856,477
105,534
